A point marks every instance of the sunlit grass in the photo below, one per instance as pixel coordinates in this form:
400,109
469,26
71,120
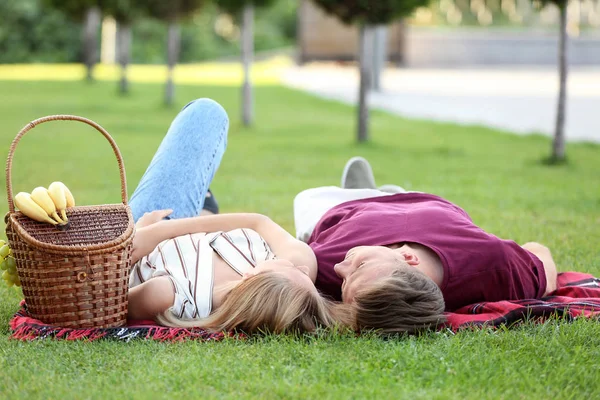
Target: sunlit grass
225,74
297,142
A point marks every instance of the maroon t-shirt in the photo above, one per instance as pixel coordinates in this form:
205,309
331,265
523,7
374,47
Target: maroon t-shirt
478,266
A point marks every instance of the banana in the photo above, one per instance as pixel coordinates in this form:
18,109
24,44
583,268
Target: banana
69,196
42,198
56,190
25,203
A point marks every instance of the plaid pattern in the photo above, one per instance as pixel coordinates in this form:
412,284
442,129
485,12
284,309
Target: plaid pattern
23,327
577,295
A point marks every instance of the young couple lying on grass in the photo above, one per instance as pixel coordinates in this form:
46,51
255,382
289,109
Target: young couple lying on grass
365,258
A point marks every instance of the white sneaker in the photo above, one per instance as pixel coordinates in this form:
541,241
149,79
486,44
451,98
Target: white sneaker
358,174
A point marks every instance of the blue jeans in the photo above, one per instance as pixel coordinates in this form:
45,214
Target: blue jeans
185,163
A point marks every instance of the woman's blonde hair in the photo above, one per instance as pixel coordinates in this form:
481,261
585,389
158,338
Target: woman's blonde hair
266,302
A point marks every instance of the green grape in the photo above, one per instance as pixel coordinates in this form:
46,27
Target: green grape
10,279
12,268
6,275
3,265
2,242
4,250
11,263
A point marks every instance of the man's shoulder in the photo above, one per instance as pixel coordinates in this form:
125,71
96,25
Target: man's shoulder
399,200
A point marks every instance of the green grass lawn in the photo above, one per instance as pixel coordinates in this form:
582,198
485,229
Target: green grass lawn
300,142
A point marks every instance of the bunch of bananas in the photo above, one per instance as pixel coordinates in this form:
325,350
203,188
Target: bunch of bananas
8,265
43,205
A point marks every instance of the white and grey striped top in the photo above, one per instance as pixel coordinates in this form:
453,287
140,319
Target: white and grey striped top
187,260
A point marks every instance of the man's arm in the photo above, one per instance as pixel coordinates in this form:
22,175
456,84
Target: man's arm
543,253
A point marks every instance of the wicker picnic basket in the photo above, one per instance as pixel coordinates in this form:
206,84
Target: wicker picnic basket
77,277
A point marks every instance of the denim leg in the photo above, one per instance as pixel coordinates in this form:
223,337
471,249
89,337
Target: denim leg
185,163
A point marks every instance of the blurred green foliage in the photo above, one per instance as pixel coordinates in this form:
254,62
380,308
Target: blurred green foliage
370,12
32,31
236,6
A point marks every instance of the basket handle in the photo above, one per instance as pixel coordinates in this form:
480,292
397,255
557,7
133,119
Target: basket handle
33,124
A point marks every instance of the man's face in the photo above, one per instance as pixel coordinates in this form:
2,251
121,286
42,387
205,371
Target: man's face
363,266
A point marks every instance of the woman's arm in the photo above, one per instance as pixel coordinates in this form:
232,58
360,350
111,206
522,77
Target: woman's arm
283,244
148,237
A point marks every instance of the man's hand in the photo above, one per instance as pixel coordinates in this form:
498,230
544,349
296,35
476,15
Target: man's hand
152,218
543,253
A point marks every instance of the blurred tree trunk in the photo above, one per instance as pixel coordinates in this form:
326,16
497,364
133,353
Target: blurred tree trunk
366,75
90,40
558,145
173,40
380,55
124,53
401,43
247,55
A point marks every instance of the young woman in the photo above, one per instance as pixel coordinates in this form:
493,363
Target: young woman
218,272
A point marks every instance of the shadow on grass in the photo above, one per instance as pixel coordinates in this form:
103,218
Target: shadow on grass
554,161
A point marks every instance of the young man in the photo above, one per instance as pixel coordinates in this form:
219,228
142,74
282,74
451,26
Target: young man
403,258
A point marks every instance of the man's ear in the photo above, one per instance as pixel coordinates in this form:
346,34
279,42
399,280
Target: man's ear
410,258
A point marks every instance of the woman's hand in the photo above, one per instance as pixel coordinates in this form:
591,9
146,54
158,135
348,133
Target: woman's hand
145,241
152,217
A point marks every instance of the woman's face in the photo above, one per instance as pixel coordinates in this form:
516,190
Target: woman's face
299,274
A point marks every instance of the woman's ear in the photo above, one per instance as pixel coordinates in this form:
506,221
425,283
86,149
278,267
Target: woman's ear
248,275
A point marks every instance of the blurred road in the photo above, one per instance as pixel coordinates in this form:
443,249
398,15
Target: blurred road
517,99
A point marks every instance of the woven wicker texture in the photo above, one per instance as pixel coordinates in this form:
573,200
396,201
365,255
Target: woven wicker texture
88,226
76,278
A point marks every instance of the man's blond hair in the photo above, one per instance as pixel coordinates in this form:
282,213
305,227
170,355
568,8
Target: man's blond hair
406,302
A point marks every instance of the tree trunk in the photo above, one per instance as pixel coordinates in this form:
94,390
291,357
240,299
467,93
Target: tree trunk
380,55
366,74
173,39
300,32
558,145
402,44
90,40
124,53
247,55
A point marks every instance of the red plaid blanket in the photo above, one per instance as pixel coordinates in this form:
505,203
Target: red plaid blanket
577,295
24,327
